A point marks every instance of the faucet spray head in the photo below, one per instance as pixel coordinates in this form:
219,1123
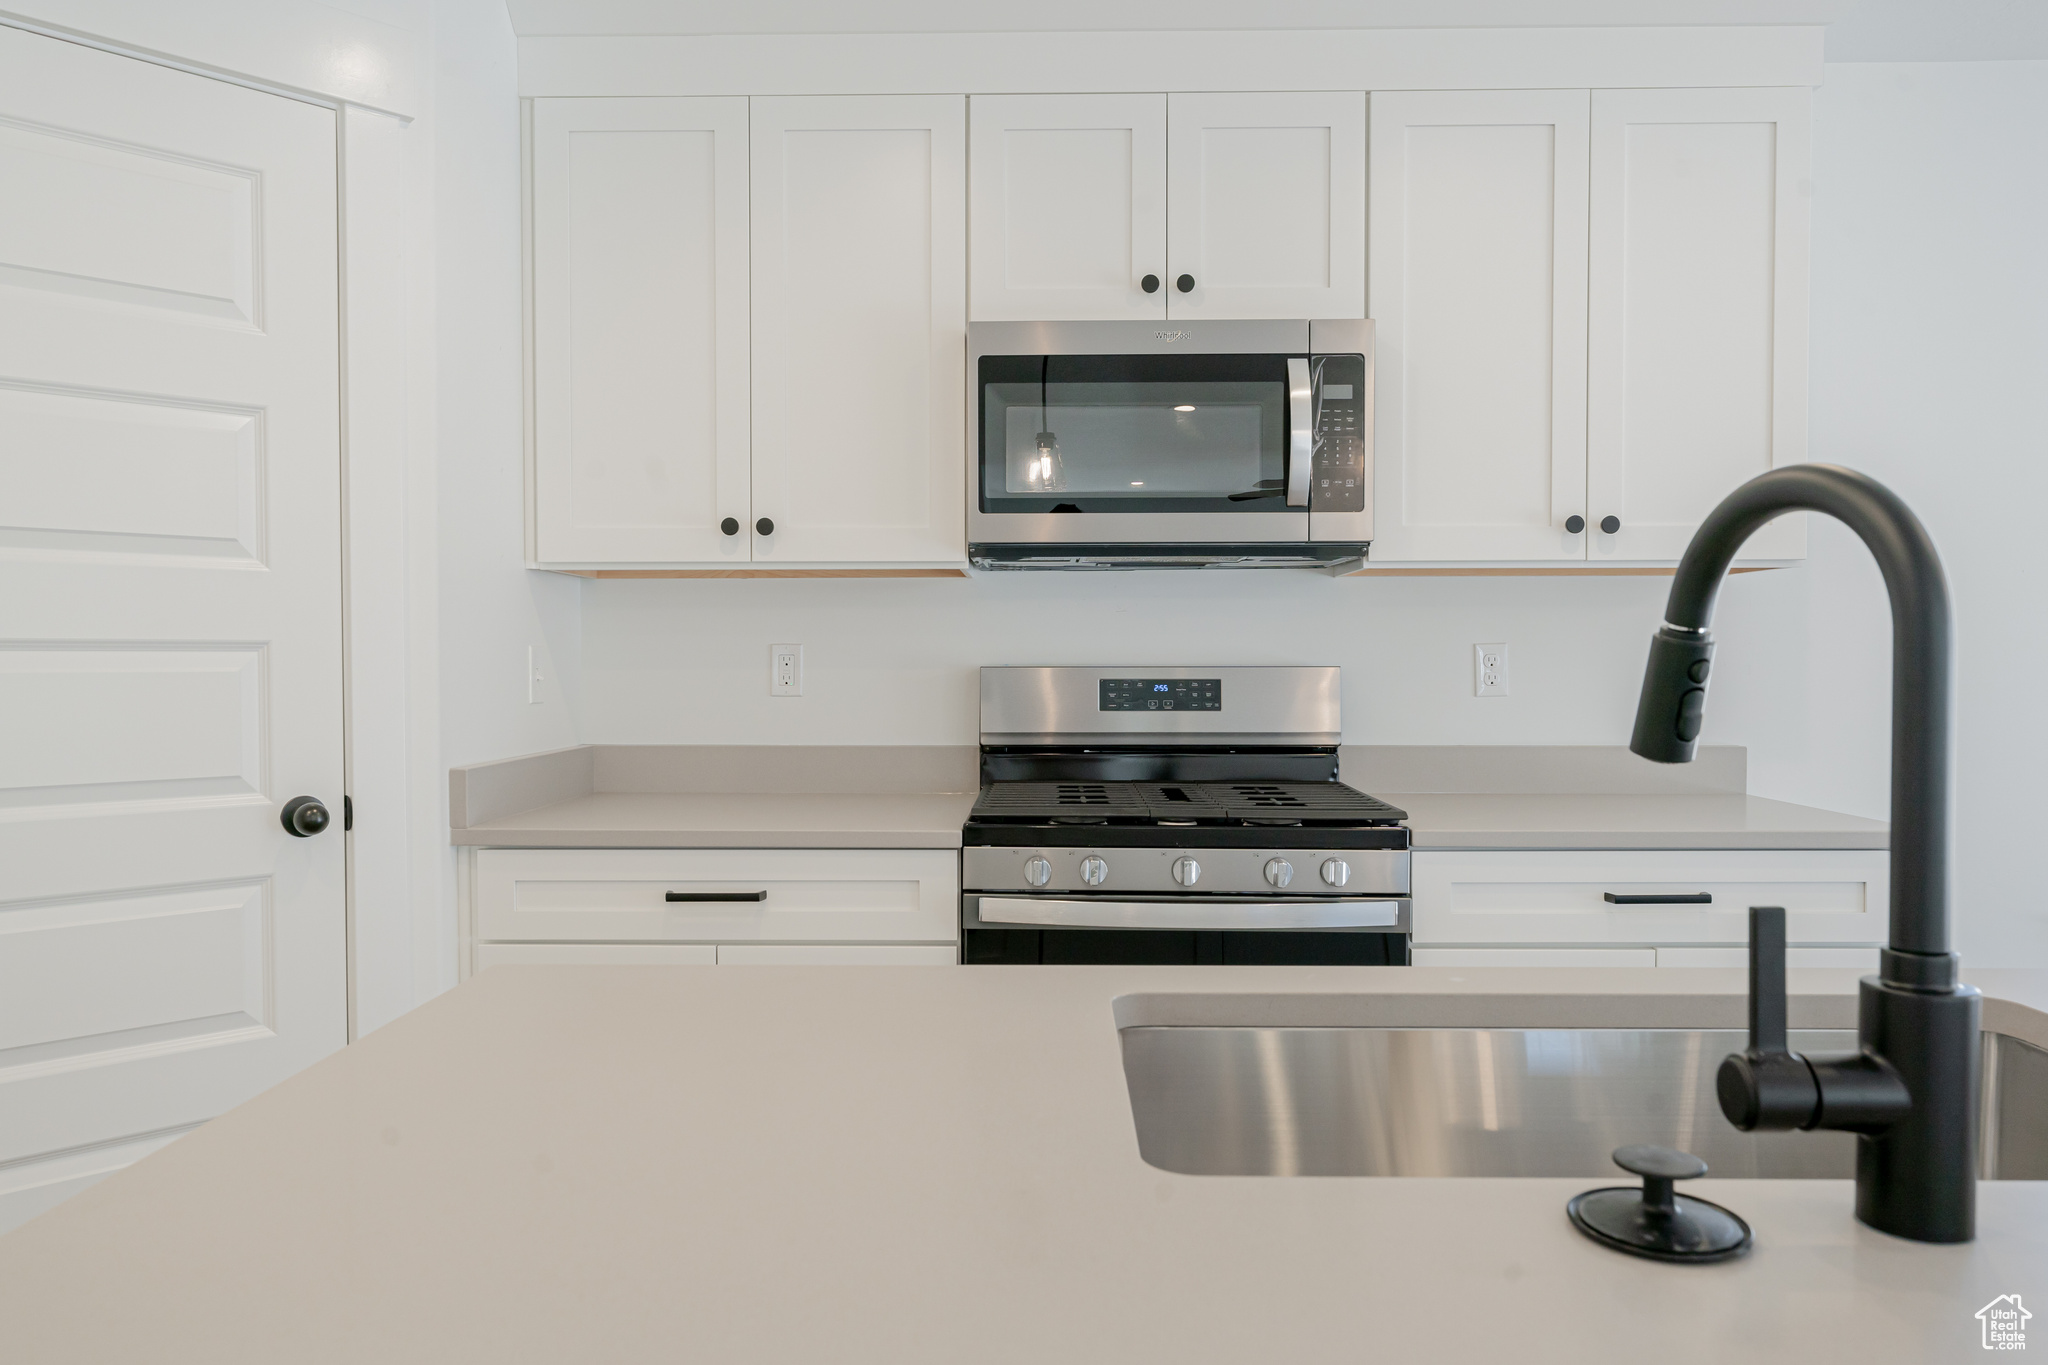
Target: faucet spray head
1674,699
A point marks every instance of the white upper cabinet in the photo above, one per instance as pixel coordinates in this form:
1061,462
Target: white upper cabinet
859,328
640,329
1479,300
1255,201
1266,205
1700,207
1068,206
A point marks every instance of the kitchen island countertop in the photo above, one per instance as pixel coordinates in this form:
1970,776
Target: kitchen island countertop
924,1164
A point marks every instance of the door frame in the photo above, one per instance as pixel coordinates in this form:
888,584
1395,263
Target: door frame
397,864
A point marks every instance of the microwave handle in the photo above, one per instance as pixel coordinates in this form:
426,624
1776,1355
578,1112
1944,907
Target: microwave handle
1301,435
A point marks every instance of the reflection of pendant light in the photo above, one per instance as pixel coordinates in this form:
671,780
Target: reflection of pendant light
1044,474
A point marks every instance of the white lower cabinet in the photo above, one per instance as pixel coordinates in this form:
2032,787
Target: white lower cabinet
1672,908
1535,957
596,954
836,955
731,906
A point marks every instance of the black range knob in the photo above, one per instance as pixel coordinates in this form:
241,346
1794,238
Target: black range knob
731,526
1185,284
1610,524
765,527
303,817
1150,284
1575,523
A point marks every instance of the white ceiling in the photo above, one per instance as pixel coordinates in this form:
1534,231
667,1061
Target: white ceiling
1858,30
636,17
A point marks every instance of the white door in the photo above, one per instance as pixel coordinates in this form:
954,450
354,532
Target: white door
1478,266
1068,206
1266,205
1698,340
640,330
170,606
860,329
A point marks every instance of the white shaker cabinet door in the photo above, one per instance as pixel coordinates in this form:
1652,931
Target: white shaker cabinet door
860,328
1700,207
640,330
1478,292
1266,205
1067,207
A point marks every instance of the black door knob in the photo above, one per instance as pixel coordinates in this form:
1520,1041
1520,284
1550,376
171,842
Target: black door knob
731,526
1185,283
1575,523
1610,524
1150,284
303,817
765,527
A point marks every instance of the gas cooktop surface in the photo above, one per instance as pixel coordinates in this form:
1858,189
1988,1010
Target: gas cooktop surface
1176,804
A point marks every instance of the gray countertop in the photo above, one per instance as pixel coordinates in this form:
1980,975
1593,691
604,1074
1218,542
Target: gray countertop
654,796
1567,821
919,1164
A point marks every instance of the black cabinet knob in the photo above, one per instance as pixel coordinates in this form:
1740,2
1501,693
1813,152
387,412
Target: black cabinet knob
1575,523
303,817
765,527
1610,524
1185,283
1150,284
731,526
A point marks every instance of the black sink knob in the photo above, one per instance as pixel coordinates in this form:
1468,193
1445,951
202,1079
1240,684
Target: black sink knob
730,526
1575,523
1186,284
1610,524
1655,1220
765,527
1150,284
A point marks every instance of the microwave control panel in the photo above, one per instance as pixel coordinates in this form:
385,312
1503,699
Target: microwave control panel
1337,483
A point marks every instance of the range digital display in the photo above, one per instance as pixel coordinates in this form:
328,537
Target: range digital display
1160,694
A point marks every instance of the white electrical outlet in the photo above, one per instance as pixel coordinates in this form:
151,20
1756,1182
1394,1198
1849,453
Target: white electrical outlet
785,670
1490,670
533,678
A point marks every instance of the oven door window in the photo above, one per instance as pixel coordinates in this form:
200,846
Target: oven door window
1137,433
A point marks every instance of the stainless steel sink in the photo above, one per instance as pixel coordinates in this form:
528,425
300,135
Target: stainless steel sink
1500,1102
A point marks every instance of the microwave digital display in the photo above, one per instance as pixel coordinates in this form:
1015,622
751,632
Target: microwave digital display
1160,694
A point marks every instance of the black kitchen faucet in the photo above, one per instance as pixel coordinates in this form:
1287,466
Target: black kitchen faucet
1910,1090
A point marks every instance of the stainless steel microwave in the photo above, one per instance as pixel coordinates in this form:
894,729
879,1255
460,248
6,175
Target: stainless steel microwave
1125,445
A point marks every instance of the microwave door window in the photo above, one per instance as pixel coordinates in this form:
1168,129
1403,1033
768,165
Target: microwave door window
1118,442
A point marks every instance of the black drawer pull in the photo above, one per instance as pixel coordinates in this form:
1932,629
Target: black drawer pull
1695,898
717,896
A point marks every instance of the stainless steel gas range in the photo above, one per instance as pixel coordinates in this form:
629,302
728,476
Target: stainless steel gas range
1167,815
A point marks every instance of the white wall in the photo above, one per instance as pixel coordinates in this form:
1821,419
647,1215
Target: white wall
1929,352
492,606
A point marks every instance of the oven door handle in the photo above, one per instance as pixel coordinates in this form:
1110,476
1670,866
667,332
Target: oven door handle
1301,430
1108,914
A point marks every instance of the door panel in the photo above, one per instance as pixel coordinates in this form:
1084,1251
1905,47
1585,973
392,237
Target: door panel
860,328
1068,206
1478,270
1698,328
640,329
170,598
1266,205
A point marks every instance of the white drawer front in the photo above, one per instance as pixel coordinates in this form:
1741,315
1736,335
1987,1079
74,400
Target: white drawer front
1856,959
620,895
596,954
836,955
1540,898
1535,957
